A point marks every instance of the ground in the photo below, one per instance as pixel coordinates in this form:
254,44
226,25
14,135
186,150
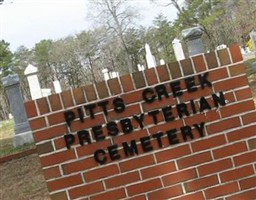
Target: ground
22,179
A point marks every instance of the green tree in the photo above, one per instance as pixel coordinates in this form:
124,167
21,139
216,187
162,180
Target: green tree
42,52
5,58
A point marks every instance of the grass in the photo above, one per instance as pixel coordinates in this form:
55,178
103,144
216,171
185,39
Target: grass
6,139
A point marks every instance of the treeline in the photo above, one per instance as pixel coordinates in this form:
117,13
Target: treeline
117,43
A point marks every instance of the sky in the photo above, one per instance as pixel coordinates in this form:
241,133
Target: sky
26,22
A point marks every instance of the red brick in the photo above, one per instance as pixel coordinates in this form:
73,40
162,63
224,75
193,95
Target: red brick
237,173
230,84
166,126
136,135
157,170
213,167
246,195
30,108
194,196
87,123
90,92
128,112
50,133
37,123
236,53
52,172
140,197
102,89
199,63
187,67
199,184
64,182
208,143
59,196
113,194
67,99
122,180
102,172
143,187
175,70
172,153
43,106
194,160
89,149
54,101
242,94
137,163
114,86
249,118
45,147
127,83
236,70
158,104
221,190
138,79
252,143
163,73
78,96
237,108
56,118
85,190
223,125
211,60
248,157
179,177
218,74
243,132
132,97
223,57
57,158
79,165
229,150
151,77
248,183
166,193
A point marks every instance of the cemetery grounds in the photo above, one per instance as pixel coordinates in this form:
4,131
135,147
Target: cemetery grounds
22,179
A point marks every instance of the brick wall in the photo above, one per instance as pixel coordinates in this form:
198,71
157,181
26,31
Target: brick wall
185,130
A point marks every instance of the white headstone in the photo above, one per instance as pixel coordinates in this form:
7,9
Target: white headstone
114,74
57,87
140,67
178,51
253,38
149,57
105,74
34,85
162,62
46,92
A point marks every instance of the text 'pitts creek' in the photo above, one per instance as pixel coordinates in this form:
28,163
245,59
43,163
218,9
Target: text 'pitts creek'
125,126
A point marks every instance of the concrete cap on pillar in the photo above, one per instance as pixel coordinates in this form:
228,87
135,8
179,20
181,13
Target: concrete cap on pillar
11,79
192,33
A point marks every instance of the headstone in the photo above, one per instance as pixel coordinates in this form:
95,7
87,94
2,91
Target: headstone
46,92
162,62
105,74
178,51
222,46
23,134
34,85
149,57
57,87
253,38
254,67
140,67
192,36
